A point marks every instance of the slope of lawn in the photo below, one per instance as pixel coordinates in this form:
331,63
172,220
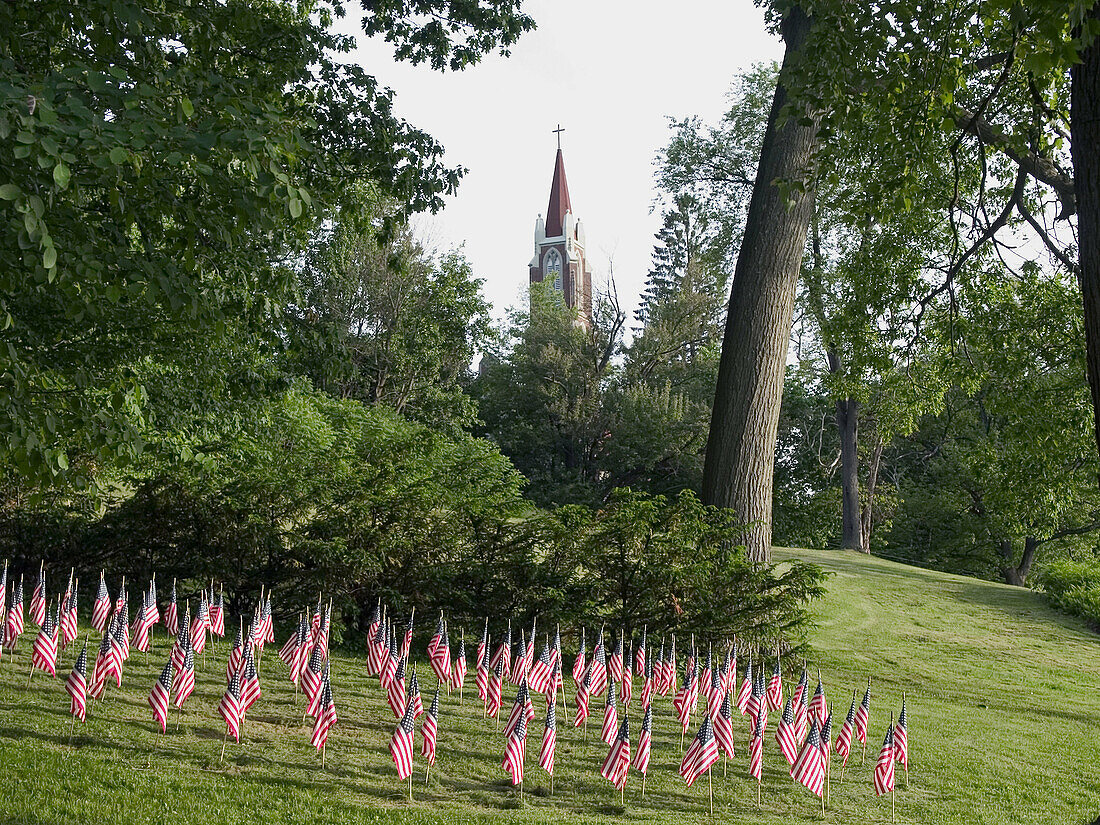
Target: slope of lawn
1003,705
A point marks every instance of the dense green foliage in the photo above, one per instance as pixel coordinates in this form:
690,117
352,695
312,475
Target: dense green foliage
1073,584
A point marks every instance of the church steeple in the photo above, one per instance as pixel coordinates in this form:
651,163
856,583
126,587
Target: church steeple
559,246
559,200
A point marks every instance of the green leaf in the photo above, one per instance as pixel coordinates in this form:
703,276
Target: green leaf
49,257
295,208
9,192
118,155
61,175
187,106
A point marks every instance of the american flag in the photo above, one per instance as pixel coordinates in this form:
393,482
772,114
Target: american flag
493,691
375,621
539,677
482,675
728,671
183,640
429,729
376,651
412,695
141,630
702,753
844,738
171,613
583,695
716,694
818,706
401,745
250,681
705,680
756,749
101,610
645,742
801,717
118,649
389,664
785,734
44,653
407,644
122,637
519,660
185,683
13,628
230,706
775,687
670,669
862,713
161,694
884,768
123,599
4,588
217,615
626,689
458,672
759,702
503,653
77,685
744,693
99,669
151,599
483,645
521,707
38,597
809,767
647,684
235,654
290,647
435,643
199,626
515,751
313,707
801,688
549,738
395,691
598,667
69,618
681,702
441,659
723,726
617,762
610,715
615,664
826,735
901,738
639,658
326,716
579,664
269,628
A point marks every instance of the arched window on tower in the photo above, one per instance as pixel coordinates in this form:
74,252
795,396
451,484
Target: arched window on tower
551,270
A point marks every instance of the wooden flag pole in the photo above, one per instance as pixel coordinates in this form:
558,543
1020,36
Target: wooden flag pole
427,770
758,793
552,784
324,748
643,785
710,784
863,759
410,786
225,738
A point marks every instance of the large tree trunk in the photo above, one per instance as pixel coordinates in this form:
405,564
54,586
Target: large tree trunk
1085,133
1016,574
741,446
847,415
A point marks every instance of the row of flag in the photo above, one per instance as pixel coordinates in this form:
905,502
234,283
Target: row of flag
710,686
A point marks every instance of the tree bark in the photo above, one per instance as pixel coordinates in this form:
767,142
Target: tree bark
1085,134
741,446
1016,574
847,416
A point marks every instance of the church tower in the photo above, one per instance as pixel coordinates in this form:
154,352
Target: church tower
559,247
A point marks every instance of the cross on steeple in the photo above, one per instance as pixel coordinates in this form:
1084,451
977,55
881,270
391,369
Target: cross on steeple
558,132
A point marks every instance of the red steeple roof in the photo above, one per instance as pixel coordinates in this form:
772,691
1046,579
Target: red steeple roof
559,200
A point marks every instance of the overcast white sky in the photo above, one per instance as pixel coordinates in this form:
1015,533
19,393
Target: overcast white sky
611,73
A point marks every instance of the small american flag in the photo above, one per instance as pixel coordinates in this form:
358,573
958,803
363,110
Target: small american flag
199,626
311,674
818,706
185,684
583,694
617,762
549,738
290,646
483,645
639,658
519,660
723,726
401,745
826,735
610,715
647,684
493,692
230,706
503,653
458,665
77,685
313,708
396,692
520,707
429,730
744,693
482,675
161,694
326,716
539,677
69,618
598,667
645,742
862,713
101,610
785,734
775,687
579,664
756,749
412,694
439,653
183,640
716,694
884,768
38,597
393,658
809,767
702,753
13,628
141,630
378,650
44,653
171,613
615,663
99,669
844,738
235,655
901,738
217,615
515,751
250,681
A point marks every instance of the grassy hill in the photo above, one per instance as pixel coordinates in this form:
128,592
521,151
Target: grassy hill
1003,700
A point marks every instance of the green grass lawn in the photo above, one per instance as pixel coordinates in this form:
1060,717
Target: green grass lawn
1003,703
